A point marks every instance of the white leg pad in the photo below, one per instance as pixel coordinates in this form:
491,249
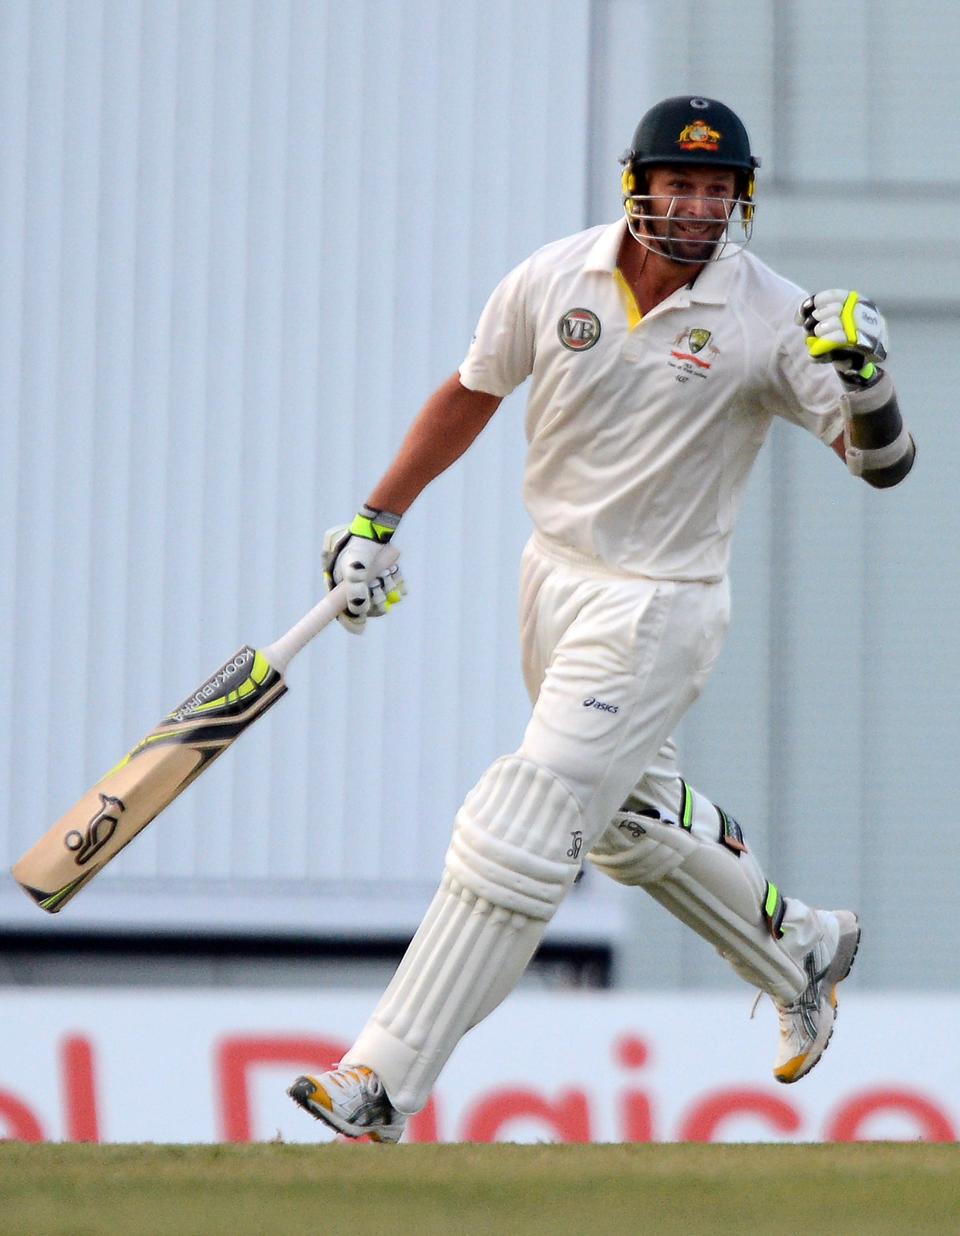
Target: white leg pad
716,891
507,870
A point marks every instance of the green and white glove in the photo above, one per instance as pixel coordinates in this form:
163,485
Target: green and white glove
845,331
361,554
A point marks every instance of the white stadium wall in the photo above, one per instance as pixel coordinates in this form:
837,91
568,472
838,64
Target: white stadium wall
241,241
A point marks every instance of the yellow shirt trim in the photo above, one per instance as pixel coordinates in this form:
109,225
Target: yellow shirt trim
632,310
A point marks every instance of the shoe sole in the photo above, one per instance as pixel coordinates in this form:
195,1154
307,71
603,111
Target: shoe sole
847,947
302,1092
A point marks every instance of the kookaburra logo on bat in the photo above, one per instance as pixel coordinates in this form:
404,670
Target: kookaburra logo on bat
98,832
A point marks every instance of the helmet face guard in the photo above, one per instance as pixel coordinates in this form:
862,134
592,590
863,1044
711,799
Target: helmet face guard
662,233
694,132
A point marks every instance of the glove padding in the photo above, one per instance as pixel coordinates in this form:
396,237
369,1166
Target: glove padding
368,567
844,330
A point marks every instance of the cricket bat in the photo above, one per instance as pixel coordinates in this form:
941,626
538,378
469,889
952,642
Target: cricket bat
163,764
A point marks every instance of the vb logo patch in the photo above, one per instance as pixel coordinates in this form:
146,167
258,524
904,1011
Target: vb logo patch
579,329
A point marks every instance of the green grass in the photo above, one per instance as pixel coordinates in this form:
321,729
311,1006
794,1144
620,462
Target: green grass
871,1188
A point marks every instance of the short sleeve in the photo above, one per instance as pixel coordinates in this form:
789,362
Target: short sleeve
502,351
807,394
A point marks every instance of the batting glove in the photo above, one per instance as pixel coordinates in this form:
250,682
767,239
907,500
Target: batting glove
846,331
361,555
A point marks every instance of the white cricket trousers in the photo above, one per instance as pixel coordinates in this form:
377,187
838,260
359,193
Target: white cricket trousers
611,663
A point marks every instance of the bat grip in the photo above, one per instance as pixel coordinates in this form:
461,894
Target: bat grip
282,651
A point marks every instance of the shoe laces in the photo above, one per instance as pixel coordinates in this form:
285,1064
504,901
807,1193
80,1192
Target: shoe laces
359,1075
788,1009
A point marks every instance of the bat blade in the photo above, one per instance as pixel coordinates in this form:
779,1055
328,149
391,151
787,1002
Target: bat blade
148,778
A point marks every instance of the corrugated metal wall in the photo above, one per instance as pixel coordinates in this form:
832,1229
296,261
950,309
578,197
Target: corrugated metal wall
241,241
829,727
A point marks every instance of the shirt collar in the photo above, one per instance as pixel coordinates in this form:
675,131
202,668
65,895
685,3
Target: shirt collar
603,253
711,287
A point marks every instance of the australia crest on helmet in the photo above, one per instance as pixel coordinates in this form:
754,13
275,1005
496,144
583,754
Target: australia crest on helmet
698,135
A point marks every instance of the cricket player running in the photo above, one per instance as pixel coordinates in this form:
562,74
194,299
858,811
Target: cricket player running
659,351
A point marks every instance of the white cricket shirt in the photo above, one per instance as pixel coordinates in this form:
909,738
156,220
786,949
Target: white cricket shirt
641,440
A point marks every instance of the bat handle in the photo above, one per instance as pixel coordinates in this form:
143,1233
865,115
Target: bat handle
283,650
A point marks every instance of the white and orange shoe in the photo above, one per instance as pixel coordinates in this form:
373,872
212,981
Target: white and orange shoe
352,1101
807,1023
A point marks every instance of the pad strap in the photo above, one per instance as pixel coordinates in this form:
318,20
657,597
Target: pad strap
774,908
731,834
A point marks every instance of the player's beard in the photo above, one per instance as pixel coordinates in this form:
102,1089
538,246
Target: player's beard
668,240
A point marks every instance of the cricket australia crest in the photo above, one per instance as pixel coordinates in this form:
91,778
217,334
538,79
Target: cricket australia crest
684,356
698,135
699,338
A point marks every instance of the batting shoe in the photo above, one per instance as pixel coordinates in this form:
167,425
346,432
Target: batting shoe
807,1024
352,1101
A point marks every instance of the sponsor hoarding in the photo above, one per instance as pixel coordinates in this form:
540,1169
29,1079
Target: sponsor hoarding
155,1065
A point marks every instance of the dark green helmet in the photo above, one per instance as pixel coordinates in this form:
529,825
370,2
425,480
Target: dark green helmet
697,132
691,130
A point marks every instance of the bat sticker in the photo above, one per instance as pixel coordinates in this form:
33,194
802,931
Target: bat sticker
98,832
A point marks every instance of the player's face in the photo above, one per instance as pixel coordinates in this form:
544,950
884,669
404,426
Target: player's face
687,209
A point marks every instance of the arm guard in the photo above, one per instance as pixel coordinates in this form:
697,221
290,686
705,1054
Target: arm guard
876,442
